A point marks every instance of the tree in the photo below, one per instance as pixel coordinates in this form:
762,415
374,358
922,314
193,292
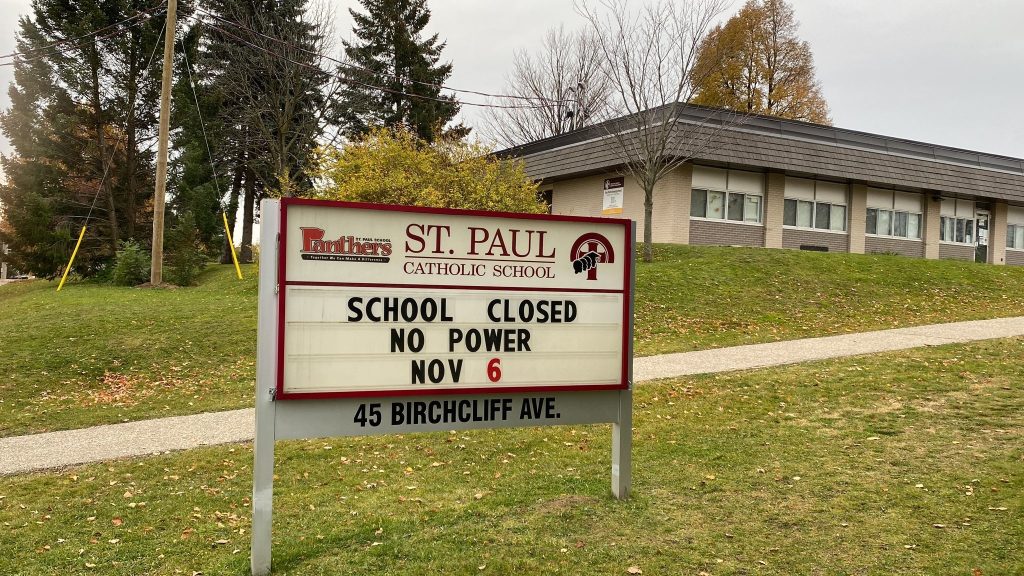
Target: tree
555,90
756,63
81,122
394,75
393,166
262,67
649,59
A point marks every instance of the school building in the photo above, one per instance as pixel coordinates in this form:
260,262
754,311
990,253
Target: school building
768,182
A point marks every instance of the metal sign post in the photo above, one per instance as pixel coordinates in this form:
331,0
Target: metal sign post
509,385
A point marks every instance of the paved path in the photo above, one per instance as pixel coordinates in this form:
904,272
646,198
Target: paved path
21,454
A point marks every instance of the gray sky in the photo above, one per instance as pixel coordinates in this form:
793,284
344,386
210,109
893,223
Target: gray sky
941,71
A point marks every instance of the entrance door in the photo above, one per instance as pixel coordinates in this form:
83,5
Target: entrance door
981,252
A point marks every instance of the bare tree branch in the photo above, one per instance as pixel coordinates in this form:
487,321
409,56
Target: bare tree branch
649,59
559,88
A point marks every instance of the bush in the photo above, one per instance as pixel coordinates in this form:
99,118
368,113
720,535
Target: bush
186,258
395,167
131,266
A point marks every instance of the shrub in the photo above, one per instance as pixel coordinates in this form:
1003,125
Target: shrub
395,167
186,259
131,266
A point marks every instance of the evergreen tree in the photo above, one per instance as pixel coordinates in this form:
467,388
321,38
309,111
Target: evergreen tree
394,74
266,98
81,120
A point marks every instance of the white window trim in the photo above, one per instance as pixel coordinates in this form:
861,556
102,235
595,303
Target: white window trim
884,237
725,207
891,236
727,221
1008,233
814,209
972,244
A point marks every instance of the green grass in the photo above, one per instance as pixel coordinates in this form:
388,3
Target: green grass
94,354
693,298
99,354
903,463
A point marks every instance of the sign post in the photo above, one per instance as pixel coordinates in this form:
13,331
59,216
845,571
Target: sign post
392,320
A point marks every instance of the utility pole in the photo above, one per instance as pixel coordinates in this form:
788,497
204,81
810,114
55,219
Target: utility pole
156,270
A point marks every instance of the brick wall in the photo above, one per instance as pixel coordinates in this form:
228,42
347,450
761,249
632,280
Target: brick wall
723,233
956,252
914,249
835,242
1014,258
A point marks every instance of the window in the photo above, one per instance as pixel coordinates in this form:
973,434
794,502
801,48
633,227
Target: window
820,215
734,206
817,205
1015,236
959,230
893,213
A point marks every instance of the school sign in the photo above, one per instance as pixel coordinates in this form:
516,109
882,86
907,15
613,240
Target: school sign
386,320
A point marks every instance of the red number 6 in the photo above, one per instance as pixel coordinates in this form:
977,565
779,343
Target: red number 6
494,369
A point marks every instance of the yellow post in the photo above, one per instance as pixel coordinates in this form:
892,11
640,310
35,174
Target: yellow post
231,243
72,261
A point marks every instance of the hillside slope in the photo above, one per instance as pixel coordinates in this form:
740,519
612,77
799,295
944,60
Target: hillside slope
97,354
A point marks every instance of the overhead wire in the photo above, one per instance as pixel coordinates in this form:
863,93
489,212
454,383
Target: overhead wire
352,66
101,33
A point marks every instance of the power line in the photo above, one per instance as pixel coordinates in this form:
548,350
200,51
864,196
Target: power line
348,65
372,86
147,14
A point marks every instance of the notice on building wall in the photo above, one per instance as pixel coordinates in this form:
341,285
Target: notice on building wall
613,195
378,301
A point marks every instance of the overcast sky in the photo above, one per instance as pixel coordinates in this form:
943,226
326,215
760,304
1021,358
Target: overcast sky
947,72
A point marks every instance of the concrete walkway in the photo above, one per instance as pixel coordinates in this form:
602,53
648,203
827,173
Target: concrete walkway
21,454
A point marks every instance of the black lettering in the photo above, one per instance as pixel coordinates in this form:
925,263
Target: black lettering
369,309
549,408
490,311
524,340
570,310
419,372
357,313
397,414
455,367
454,337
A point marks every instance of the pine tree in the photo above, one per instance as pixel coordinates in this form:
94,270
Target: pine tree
266,99
80,123
394,74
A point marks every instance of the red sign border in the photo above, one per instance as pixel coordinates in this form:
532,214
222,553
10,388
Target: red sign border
283,283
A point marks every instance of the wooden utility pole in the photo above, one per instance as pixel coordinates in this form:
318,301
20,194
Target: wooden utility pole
156,270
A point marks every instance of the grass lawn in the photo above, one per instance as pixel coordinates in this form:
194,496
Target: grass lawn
901,463
99,354
696,297
96,354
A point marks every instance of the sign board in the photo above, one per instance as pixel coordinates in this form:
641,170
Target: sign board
613,195
389,320
381,302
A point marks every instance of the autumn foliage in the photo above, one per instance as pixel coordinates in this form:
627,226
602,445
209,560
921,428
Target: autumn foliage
756,63
393,166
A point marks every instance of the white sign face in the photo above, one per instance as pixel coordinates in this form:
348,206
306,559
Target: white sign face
613,194
379,301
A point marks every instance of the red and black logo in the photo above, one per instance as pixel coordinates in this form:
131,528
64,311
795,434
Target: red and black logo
344,248
589,250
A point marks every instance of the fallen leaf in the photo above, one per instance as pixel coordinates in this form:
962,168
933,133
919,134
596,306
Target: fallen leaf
117,521
634,570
